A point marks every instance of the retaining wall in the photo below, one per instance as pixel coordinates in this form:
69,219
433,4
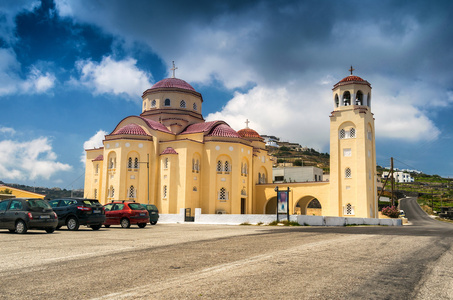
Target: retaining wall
231,219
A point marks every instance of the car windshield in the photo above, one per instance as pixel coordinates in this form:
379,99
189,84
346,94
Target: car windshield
136,206
37,203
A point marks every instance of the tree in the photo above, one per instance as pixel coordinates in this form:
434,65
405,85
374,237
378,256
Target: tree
298,163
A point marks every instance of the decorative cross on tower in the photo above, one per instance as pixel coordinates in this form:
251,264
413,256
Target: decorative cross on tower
247,123
351,69
173,69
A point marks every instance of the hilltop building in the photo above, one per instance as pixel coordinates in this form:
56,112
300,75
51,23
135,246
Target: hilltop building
400,177
171,157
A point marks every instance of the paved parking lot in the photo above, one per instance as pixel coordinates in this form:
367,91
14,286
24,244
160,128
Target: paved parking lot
190,261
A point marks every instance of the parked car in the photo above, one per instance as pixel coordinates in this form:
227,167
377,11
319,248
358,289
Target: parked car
125,213
21,214
73,212
153,213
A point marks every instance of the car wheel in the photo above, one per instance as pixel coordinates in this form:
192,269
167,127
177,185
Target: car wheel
50,230
95,227
72,223
153,222
125,223
106,226
21,227
142,225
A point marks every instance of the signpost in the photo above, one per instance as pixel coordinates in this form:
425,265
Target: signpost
282,202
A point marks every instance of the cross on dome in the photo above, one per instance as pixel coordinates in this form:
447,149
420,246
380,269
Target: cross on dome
351,69
173,69
247,123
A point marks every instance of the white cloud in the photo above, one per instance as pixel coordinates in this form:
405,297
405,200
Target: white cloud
117,77
10,82
294,113
7,130
37,82
29,160
93,142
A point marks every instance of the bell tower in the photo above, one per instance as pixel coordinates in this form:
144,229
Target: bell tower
353,190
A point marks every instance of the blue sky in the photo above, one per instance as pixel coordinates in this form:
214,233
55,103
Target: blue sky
71,70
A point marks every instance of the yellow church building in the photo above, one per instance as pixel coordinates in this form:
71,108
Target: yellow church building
169,156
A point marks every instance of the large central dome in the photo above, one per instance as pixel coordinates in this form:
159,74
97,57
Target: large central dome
173,83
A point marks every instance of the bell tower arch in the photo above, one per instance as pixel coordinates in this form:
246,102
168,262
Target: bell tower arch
353,187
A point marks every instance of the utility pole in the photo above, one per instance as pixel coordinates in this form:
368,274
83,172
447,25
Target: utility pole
392,179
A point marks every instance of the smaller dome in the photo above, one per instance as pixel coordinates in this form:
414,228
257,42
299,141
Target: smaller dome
351,78
169,150
223,130
131,129
249,133
173,83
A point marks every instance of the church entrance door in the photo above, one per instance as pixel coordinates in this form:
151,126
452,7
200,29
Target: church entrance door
243,207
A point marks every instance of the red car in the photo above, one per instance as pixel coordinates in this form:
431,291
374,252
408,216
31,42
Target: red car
125,213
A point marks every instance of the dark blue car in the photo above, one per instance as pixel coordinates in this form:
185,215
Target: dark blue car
73,212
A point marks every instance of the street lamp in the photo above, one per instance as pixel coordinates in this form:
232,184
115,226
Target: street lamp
147,166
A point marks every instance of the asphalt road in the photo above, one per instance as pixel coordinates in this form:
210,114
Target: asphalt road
189,261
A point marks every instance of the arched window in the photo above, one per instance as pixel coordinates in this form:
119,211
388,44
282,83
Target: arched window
136,163
227,166
131,192
352,133
166,163
164,192
97,169
129,163
167,102
347,173
342,134
197,166
182,104
194,106
359,98
245,169
153,103
259,177
112,192
346,98
348,209
223,194
337,101
95,193
243,192
193,164
219,166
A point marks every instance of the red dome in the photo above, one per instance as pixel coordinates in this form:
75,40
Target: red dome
249,133
223,130
132,129
351,78
173,83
